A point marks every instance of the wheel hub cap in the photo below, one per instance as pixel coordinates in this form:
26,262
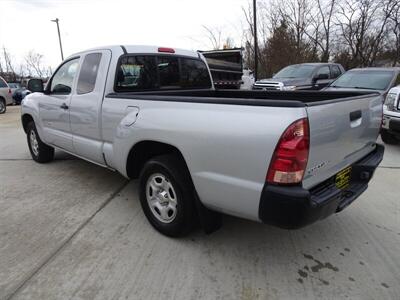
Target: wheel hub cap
34,143
161,197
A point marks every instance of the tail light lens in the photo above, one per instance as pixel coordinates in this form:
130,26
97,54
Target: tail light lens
290,158
9,91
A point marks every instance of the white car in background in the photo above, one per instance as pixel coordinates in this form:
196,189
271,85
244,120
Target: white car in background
390,132
5,96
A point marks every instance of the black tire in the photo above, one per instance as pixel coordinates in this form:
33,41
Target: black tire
388,138
44,153
3,106
175,173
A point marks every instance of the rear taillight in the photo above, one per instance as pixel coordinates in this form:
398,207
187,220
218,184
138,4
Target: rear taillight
9,91
289,160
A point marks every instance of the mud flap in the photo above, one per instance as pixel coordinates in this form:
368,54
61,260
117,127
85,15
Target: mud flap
210,220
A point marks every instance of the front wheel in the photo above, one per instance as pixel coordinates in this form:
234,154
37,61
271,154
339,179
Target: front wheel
40,152
166,195
3,107
388,138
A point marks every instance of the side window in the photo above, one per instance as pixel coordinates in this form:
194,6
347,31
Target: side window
88,73
64,77
335,71
136,73
168,70
324,70
194,74
3,84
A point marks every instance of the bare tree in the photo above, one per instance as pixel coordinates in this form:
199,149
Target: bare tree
214,36
7,69
297,15
321,27
395,28
34,64
363,26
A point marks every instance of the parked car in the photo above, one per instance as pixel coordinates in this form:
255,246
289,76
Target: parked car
20,94
308,76
366,79
390,131
281,158
5,96
14,86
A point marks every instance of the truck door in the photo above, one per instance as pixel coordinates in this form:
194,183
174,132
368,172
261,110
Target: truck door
86,104
54,105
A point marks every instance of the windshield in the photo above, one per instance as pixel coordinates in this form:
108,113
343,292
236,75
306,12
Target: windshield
295,71
370,80
13,85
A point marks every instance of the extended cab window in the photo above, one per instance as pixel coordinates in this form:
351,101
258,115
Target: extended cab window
64,77
136,73
88,73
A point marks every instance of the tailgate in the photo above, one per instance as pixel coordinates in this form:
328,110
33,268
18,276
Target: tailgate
341,133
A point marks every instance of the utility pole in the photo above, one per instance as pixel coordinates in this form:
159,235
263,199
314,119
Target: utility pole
59,37
255,39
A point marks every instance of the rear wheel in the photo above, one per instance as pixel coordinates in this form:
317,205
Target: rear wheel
166,195
40,152
3,107
388,138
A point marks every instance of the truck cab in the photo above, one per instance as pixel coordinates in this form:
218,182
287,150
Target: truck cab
307,76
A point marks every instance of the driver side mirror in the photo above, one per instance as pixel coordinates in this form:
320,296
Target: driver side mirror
321,77
35,85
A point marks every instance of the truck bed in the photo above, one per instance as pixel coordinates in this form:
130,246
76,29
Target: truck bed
251,98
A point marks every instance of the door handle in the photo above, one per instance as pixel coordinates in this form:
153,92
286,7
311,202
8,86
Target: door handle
64,106
354,115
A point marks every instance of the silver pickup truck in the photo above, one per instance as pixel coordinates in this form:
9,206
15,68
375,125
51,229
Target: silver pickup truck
282,158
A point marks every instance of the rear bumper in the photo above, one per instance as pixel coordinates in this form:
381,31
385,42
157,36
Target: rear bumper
294,207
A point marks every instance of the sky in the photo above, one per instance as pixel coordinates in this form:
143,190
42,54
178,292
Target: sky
25,24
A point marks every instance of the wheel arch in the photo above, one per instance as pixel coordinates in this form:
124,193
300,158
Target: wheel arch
142,151
26,119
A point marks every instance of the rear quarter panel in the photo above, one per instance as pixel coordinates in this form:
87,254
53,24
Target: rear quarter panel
227,147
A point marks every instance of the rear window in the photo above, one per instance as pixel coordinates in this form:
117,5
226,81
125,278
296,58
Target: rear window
136,73
194,74
168,70
159,72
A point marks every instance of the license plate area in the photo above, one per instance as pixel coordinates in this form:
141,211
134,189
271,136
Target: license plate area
342,179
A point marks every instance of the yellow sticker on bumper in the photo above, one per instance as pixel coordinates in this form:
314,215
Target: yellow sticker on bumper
342,179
